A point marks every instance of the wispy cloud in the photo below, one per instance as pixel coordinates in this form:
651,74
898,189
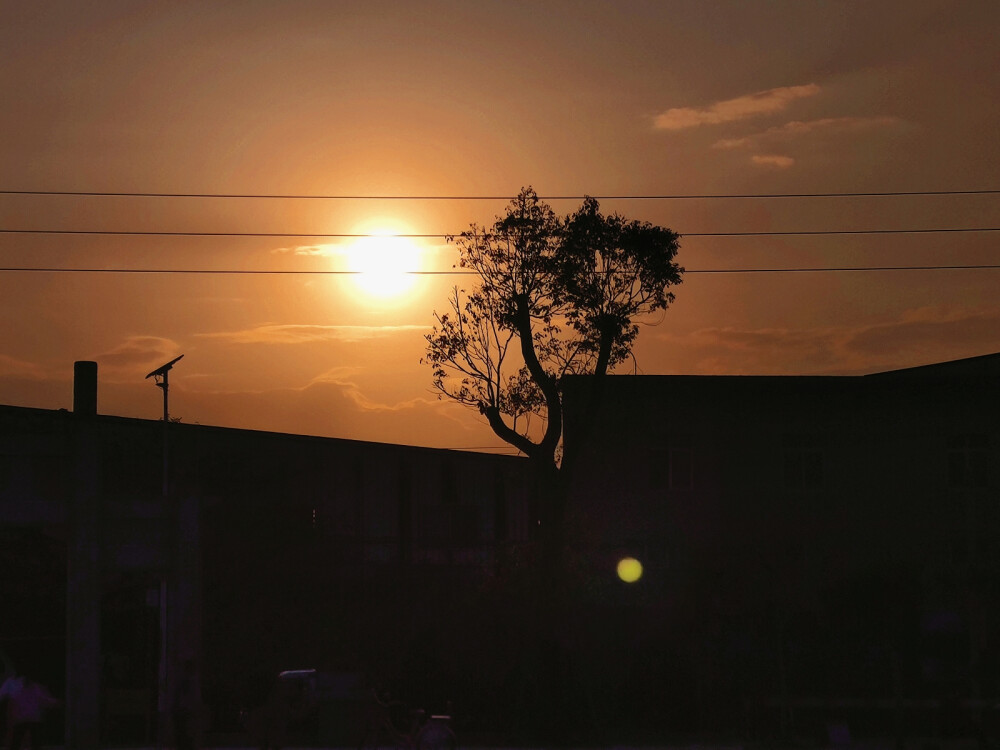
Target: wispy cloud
335,406
931,327
322,251
366,404
19,368
341,375
305,334
775,161
338,383
798,129
138,351
903,342
729,110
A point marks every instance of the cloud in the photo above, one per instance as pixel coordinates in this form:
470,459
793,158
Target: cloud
305,334
340,374
137,352
931,327
762,351
798,128
11,367
333,407
740,108
917,337
366,404
772,160
337,377
308,250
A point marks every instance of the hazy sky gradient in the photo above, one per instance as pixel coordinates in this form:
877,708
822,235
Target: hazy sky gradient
462,98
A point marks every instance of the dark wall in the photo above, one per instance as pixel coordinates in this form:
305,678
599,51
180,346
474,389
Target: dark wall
33,603
832,542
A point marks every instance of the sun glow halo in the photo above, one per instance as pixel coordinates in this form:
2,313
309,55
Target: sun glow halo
383,264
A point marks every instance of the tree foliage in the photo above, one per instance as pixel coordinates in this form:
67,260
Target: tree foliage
556,296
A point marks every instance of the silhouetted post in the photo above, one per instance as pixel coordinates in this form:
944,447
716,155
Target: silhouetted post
784,716
185,602
898,724
160,377
85,388
83,579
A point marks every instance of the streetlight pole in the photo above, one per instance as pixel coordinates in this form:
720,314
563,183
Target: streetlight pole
160,377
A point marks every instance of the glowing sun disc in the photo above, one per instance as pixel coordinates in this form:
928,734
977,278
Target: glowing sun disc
384,264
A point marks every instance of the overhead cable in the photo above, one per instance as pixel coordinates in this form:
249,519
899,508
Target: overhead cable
272,272
648,197
441,235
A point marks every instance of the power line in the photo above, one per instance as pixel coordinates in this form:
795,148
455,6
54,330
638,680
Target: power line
441,235
830,269
675,196
251,272
506,449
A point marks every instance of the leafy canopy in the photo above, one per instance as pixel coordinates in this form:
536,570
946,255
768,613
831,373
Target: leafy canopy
557,296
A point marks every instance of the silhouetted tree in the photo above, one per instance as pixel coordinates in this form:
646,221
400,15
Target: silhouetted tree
556,297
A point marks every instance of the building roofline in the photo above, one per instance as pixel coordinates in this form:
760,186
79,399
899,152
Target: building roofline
983,364
192,427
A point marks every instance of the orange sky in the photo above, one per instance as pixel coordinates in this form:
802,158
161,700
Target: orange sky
460,98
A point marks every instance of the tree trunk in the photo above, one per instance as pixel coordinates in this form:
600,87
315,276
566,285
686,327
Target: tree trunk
549,529
546,606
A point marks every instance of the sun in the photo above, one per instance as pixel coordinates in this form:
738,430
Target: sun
383,264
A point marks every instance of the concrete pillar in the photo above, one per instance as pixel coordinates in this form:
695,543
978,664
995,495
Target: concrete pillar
85,388
184,639
188,605
83,592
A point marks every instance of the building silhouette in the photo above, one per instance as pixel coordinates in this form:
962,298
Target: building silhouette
816,552
262,552
812,547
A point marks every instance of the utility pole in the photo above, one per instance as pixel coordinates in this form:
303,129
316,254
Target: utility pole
160,377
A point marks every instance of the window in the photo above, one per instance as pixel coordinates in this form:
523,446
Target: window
968,457
803,462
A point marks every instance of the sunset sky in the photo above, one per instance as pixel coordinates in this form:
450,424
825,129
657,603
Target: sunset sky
477,99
